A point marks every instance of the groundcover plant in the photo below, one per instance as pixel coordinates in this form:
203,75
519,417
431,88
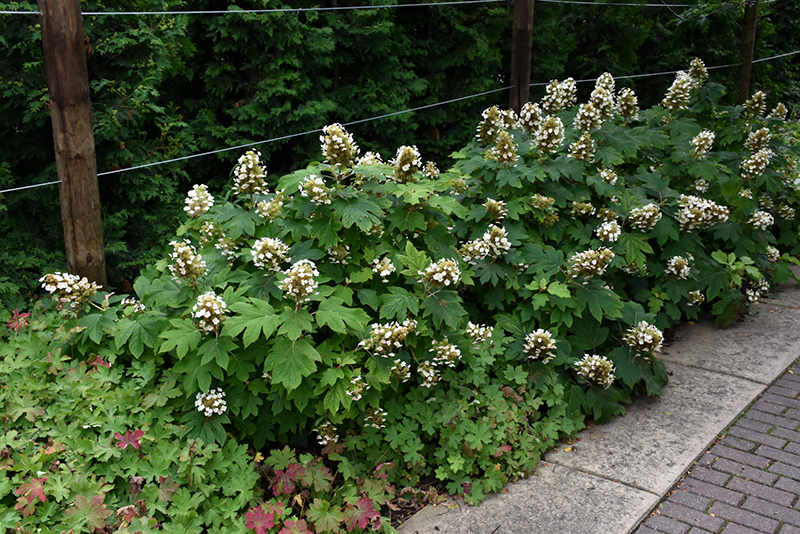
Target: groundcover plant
319,344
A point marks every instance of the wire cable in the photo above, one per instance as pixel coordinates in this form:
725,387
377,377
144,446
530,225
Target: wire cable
624,4
29,186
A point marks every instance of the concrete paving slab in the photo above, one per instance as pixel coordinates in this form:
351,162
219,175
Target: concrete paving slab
555,500
749,349
651,446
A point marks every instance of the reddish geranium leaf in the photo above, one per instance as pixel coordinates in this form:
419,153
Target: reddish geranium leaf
259,520
276,508
98,362
360,515
130,438
93,511
295,527
18,321
283,482
317,477
29,492
501,449
166,488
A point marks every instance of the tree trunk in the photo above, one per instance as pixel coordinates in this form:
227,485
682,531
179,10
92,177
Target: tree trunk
71,113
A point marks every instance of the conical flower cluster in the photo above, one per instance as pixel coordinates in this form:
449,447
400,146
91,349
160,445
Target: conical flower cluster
338,147
597,370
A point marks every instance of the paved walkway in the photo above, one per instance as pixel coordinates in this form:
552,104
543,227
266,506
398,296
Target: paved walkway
745,478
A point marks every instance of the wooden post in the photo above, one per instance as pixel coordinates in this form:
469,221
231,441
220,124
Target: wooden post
748,45
521,44
71,113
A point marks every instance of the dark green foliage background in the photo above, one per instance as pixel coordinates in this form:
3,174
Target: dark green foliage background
171,86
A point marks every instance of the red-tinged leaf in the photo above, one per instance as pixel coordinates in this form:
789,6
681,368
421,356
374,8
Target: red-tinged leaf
29,492
332,448
259,520
276,508
382,471
166,487
283,482
98,362
93,511
130,438
502,449
360,515
295,527
317,477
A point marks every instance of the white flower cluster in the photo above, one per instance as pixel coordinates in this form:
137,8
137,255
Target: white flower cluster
383,267
269,253
384,338
644,338
761,220
550,134
211,403
758,140
609,176
494,243
338,147
357,388
590,262
210,310
609,231
431,170
479,333
698,71
299,282
407,161
701,185
429,373
757,104
602,98
442,273
530,117
542,202
755,164
679,92
787,212
188,264
646,217
504,151
400,371
702,143
765,202
607,215
314,187
445,353
138,305
606,81
582,208
583,148
697,213
375,417
756,290
695,298
496,209
227,246
588,118
628,104
779,112
678,266
746,193
539,345
69,288
208,233
558,96
370,158
495,121
249,175
595,369
773,254
271,209
198,201
326,434
339,254
472,251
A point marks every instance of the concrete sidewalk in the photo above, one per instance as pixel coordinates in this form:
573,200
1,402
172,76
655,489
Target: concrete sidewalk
617,474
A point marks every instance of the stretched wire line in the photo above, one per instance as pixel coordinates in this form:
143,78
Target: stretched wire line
28,186
20,13
587,3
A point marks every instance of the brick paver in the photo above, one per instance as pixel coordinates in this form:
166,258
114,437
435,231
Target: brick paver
748,482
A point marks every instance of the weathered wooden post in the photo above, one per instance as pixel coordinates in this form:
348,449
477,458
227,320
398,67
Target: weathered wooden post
70,109
748,45
521,44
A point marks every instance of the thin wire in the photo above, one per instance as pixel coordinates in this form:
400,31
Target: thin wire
20,13
301,133
285,10
29,186
613,3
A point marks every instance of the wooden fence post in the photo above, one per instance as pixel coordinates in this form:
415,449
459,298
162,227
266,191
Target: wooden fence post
521,44
71,113
748,44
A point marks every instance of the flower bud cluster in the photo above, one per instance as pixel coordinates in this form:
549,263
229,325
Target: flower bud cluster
606,81
634,270
602,99
758,140
646,217
400,371
459,186
678,267
445,353
228,246
198,201
588,118
407,161
138,306
698,213
761,220
590,262
542,202
431,170
429,373
383,267
550,134
504,151
609,231
702,143
210,310
208,233
597,370
679,92
756,290
765,202
339,254
271,209
384,338
559,96
479,333
375,417
370,158
188,264
757,104
494,243
442,273
299,282
695,298
607,214
628,104
644,338
539,345
583,148
779,112
315,189
357,388
609,176
211,403
496,209
338,147
269,253
582,208
773,254
755,164
746,193
472,251
69,288
698,71
530,117
326,434
786,212
249,175
700,185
